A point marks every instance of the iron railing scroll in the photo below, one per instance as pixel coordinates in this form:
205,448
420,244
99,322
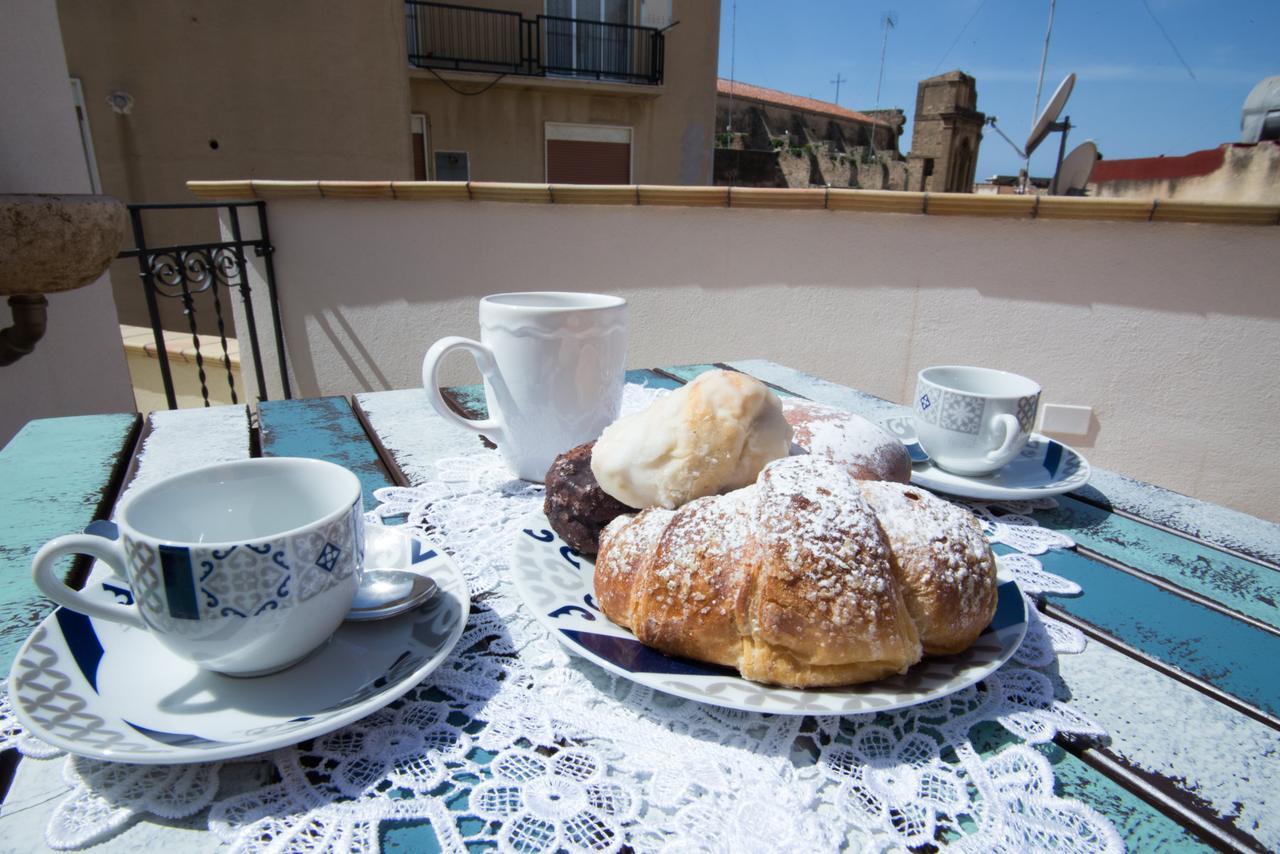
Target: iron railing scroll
197,273
468,38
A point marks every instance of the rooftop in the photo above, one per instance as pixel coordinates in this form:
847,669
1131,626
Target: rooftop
1192,165
760,94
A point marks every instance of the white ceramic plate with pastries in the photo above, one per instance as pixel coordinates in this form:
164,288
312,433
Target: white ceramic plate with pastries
759,576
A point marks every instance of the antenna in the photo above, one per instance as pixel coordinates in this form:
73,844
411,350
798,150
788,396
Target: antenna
889,21
991,120
1044,55
1075,170
838,81
733,55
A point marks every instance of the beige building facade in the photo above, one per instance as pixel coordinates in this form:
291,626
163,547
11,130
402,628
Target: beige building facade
652,98
213,89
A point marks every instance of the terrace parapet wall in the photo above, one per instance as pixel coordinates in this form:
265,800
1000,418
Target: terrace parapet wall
1154,314
830,198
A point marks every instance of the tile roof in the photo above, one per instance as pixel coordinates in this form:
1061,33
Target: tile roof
1160,168
784,99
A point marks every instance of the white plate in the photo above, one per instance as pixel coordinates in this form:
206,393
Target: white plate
1044,467
556,584
108,691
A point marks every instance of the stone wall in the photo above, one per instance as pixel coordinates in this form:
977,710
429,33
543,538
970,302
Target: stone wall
766,145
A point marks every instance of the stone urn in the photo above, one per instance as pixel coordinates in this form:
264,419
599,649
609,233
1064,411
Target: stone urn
51,243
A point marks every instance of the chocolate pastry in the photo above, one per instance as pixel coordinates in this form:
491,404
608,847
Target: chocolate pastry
576,506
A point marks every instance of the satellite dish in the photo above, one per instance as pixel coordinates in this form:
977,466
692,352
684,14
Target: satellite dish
1050,114
1075,170
1260,118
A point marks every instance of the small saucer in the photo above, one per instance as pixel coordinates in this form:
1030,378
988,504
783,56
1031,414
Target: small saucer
1044,467
109,691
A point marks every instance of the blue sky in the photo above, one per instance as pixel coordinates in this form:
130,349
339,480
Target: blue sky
1133,96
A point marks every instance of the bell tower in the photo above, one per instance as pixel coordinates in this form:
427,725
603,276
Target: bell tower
946,132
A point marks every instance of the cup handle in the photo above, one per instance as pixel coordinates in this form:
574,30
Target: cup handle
1008,446
491,426
109,551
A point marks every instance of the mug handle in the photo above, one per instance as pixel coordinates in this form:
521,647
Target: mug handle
51,585
1007,450
491,426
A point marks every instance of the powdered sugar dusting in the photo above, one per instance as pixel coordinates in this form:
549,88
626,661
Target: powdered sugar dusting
814,518
808,560
949,568
834,434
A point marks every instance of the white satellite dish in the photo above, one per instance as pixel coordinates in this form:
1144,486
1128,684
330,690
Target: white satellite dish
1052,110
1075,170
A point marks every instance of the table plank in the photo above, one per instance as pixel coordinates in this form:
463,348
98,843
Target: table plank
1221,526
59,474
177,440
39,786
1227,760
1208,645
469,400
324,428
652,379
1235,582
411,432
1141,827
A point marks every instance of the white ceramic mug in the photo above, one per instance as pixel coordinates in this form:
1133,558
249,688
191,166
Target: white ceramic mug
553,364
973,421
244,568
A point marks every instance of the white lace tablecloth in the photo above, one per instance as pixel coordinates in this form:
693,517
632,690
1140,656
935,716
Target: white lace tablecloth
516,742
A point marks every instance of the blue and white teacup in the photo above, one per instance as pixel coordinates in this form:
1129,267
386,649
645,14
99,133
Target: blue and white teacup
243,568
973,421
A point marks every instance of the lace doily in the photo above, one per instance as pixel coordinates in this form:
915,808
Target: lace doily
515,743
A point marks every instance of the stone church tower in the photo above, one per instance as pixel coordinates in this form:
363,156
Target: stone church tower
945,136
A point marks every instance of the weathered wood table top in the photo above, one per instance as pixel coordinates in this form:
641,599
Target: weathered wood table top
1181,602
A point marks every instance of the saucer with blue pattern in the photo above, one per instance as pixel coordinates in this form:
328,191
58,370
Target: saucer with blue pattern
109,691
1044,467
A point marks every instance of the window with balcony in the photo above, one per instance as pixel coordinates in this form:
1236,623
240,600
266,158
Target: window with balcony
585,39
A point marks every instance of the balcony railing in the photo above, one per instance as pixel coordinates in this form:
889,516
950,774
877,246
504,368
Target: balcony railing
209,273
465,38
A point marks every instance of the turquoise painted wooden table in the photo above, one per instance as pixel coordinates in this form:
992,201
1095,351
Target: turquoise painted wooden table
1181,603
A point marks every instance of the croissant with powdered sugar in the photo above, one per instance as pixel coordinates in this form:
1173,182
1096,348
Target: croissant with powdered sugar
805,578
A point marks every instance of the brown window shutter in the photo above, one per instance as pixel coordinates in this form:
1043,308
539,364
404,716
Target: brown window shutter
572,161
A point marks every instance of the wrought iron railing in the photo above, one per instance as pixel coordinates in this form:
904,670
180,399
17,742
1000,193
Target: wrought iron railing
466,38
197,273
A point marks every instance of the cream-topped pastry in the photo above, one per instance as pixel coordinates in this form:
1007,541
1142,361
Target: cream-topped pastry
710,436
